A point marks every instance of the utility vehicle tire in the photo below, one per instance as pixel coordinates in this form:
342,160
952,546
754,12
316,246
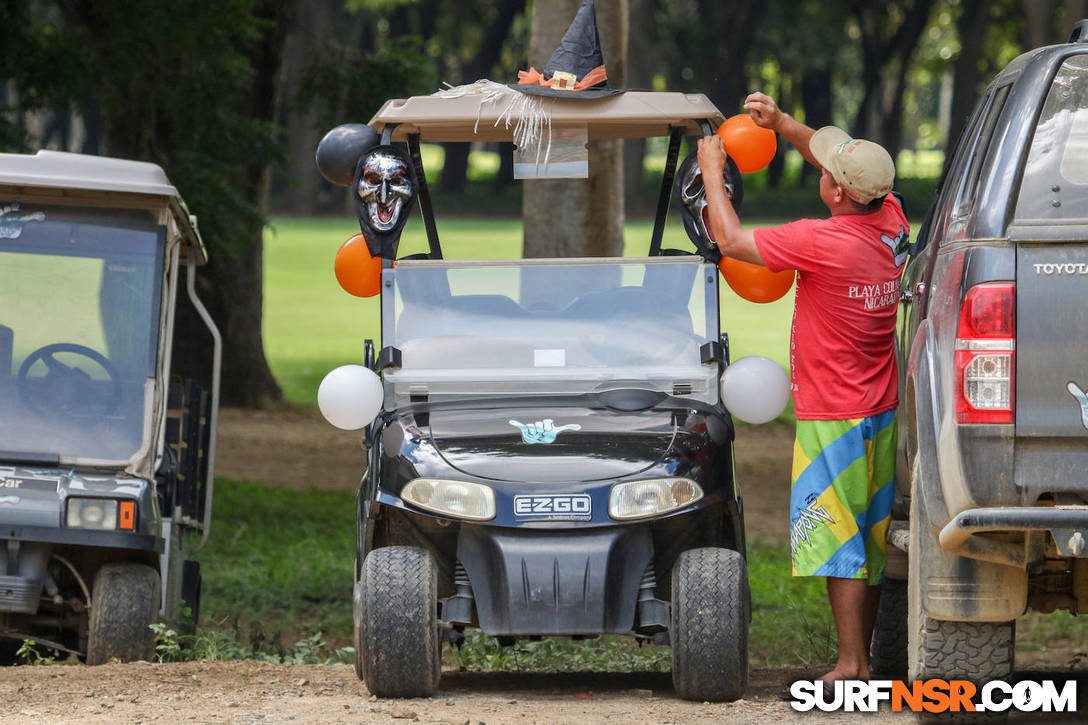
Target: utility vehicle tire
124,603
888,650
709,627
397,645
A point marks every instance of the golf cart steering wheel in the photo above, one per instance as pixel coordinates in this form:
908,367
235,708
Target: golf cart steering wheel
70,391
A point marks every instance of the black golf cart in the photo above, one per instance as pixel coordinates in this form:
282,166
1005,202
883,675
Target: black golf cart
105,465
552,456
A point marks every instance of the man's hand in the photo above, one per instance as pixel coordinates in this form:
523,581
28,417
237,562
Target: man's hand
764,111
711,157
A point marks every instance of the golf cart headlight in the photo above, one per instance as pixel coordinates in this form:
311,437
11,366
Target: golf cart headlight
462,499
638,499
92,513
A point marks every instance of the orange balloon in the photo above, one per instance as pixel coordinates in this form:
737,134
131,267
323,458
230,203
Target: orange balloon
356,271
755,283
751,146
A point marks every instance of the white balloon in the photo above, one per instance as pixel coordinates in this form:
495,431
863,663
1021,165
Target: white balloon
350,397
755,389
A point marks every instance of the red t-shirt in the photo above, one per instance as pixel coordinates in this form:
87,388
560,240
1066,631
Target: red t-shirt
842,345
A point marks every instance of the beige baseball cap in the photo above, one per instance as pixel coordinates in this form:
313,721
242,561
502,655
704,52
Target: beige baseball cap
863,168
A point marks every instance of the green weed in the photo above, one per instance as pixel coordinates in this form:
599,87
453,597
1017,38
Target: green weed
29,653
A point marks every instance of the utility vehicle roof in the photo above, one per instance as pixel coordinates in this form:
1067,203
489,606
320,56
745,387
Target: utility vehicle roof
58,176
634,114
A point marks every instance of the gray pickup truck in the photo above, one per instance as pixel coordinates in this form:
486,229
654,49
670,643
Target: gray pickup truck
991,516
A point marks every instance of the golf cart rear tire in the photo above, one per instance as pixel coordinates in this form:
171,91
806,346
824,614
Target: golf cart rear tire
124,603
709,627
398,650
888,650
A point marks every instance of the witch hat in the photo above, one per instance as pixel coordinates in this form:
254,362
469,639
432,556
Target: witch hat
576,68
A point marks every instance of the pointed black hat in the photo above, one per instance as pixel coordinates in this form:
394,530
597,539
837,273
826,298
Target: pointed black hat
578,54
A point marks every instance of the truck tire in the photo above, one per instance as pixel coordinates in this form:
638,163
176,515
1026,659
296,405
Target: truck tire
950,650
398,650
709,625
888,650
124,603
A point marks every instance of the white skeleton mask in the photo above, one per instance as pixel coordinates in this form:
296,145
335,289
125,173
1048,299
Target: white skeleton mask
386,186
692,193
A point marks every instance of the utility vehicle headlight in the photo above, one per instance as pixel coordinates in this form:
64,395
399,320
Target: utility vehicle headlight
462,499
638,499
92,513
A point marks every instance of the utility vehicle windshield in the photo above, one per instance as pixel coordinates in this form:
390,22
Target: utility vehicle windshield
79,317
539,327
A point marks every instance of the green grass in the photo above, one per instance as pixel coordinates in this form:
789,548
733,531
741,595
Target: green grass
278,570
278,566
312,326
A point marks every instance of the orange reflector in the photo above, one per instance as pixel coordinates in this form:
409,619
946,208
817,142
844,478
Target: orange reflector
127,521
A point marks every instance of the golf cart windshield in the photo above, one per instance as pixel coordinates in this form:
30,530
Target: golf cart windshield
550,327
79,318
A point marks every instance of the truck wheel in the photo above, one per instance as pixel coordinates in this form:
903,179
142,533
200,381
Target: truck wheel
888,650
398,650
124,602
709,625
949,650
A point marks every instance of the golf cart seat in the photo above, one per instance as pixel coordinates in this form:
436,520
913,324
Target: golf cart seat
630,304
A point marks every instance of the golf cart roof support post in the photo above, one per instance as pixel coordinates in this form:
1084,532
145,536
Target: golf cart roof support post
217,367
424,197
666,190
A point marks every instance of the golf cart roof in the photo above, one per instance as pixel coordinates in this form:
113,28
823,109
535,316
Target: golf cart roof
634,114
58,176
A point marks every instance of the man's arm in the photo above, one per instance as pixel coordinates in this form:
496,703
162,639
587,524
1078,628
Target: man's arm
733,240
766,113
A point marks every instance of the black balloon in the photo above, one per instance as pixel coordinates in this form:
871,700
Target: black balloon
339,152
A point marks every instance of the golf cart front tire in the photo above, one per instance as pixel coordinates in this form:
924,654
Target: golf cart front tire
397,649
709,632
124,604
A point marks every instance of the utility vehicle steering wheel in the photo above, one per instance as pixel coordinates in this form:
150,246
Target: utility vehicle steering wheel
66,390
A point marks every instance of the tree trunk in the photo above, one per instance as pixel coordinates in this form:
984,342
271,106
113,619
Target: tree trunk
144,118
1039,23
816,100
455,168
300,192
579,217
640,73
732,25
966,77
884,47
234,289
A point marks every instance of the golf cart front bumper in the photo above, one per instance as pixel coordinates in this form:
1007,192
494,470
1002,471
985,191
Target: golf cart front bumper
557,581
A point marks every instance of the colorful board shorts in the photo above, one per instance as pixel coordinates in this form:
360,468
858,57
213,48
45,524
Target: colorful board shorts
841,498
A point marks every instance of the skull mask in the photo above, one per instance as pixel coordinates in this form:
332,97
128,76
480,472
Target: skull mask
385,186
692,193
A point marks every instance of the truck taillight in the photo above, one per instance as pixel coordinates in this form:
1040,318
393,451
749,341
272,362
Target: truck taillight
985,369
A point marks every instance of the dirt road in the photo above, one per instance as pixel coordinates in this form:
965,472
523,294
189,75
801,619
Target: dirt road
298,449
246,692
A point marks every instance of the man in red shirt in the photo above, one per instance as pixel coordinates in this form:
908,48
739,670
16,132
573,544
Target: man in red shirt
842,360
